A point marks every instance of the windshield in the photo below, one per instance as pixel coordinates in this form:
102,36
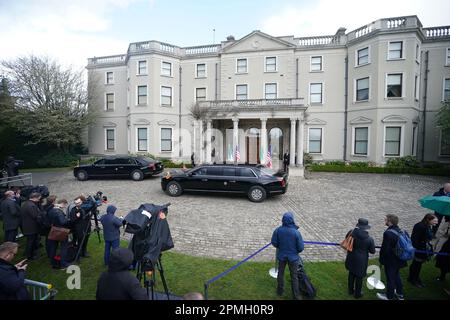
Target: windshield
267,172
147,159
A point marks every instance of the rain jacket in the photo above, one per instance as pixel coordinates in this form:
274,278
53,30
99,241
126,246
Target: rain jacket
118,283
288,239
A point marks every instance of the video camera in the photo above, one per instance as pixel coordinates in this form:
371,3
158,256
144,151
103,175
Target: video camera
151,233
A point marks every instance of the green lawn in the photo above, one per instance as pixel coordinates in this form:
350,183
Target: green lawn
250,281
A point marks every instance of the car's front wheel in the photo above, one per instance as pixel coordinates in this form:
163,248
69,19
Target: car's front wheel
174,189
257,194
137,175
82,175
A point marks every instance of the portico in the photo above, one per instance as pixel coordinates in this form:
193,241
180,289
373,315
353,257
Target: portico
245,132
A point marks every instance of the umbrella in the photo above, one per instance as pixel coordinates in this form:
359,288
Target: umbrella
439,204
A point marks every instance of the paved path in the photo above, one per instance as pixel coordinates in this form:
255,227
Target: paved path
325,205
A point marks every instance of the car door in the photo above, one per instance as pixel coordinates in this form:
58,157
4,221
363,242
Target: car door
214,180
109,168
124,166
230,180
195,179
100,168
245,179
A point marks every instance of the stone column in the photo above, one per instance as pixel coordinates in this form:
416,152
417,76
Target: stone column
208,141
201,157
300,143
235,137
195,143
292,144
263,146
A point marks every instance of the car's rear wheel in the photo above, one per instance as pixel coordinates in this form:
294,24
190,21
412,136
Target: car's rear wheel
174,189
137,175
82,175
257,194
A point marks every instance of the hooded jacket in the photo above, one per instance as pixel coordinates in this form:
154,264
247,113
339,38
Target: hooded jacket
118,283
12,286
357,260
287,239
111,224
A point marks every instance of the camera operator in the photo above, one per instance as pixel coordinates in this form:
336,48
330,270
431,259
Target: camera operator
12,166
81,224
118,283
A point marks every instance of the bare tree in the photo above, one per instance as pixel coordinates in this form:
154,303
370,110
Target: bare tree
198,112
50,101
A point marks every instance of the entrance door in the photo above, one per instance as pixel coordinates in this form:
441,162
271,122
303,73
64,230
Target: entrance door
253,150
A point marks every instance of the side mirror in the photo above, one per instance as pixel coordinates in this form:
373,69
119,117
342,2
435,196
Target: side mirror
189,174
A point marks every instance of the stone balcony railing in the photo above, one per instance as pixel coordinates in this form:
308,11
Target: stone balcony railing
388,24
251,104
437,32
108,60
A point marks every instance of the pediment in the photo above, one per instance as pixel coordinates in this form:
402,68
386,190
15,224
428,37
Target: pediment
109,125
361,120
142,121
316,121
394,118
166,122
258,41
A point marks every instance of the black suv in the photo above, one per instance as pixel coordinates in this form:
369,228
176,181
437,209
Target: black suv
257,182
119,166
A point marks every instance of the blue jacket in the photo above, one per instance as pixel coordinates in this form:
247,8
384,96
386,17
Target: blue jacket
57,218
288,239
111,224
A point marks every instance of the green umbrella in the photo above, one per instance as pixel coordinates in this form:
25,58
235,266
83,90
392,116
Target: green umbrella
439,204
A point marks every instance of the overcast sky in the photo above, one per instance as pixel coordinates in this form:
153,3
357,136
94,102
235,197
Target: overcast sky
74,30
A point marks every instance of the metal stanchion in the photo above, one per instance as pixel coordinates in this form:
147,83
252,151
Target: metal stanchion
274,271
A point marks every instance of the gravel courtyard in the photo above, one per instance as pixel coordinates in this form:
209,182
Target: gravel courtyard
325,205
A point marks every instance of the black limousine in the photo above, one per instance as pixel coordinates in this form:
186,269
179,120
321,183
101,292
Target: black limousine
257,182
135,167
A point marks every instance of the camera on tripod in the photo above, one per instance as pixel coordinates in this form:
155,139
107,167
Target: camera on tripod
151,236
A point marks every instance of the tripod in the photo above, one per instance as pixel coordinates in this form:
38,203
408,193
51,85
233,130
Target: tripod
150,283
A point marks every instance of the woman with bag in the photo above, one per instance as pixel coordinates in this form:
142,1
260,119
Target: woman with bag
358,257
59,234
421,236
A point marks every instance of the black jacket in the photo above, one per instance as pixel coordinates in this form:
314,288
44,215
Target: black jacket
79,225
357,260
118,283
57,218
439,193
12,285
387,252
11,214
30,214
420,238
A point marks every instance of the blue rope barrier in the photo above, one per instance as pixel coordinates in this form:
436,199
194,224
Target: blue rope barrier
237,265
305,242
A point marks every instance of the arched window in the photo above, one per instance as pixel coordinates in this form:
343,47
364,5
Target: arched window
276,143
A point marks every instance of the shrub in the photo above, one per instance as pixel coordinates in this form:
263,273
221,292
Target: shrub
359,164
336,163
307,159
403,162
57,158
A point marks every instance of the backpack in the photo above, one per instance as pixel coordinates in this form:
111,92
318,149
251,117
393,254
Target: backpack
306,287
404,249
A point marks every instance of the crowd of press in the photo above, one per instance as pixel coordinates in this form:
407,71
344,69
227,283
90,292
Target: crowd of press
68,227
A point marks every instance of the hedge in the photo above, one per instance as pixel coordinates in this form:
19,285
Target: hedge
360,169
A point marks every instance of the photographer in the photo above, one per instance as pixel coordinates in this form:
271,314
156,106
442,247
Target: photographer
118,283
12,166
81,225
